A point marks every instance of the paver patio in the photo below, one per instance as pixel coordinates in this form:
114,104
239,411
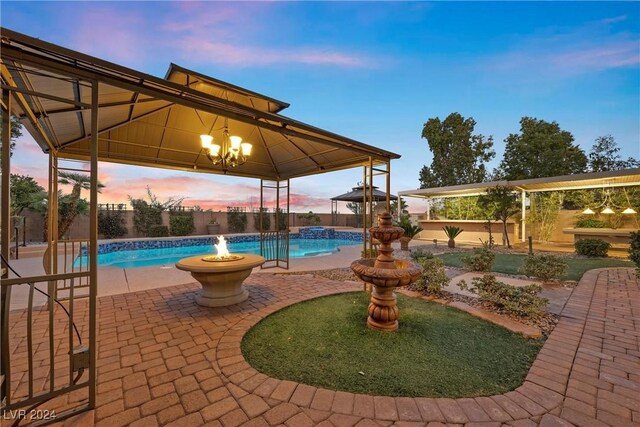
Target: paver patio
163,360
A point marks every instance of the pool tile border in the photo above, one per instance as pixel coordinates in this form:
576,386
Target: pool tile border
311,233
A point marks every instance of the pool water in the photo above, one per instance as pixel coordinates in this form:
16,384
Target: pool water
298,248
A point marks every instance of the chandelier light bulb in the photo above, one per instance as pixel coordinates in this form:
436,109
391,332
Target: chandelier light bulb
206,141
235,143
246,149
214,149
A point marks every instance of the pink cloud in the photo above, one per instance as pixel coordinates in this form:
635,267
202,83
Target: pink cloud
226,53
106,32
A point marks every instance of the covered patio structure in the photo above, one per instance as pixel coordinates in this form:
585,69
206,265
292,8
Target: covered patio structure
526,187
83,109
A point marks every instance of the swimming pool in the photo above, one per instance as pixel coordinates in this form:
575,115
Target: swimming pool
131,258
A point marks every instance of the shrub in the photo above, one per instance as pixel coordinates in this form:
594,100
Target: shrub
591,223
410,230
181,223
266,219
419,254
518,301
237,220
283,219
158,231
434,276
369,253
593,248
634,248
544,267
451,231
309,218
481,260
145,216
111,224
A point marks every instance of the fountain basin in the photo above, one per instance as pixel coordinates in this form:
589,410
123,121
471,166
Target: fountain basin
405,272
222,282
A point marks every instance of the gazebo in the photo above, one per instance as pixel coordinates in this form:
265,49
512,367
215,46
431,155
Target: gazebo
360,194
81,108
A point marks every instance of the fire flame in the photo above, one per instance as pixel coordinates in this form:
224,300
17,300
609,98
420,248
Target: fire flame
221,248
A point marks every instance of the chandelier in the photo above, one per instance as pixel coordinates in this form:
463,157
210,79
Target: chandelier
607,203
231,153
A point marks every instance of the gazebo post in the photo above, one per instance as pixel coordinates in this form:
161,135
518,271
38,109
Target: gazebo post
4,242
93,244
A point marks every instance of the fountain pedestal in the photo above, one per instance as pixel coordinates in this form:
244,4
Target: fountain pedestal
385,273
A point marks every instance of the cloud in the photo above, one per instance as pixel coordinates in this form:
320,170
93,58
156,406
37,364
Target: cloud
196,33
557,54
615,19
210,51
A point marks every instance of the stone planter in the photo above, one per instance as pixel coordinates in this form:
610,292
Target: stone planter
213,229
451,243
404,243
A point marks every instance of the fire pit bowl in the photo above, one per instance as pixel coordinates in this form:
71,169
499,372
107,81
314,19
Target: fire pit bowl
221,281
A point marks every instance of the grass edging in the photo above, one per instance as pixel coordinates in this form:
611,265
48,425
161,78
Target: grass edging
510,324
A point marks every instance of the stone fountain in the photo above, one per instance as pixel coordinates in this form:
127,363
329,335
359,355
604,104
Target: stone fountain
385,273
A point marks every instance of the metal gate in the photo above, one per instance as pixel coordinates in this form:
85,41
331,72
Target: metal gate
48,318
274,245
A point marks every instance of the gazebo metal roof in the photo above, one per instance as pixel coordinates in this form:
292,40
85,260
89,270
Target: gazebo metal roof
356,195
619,178
150,121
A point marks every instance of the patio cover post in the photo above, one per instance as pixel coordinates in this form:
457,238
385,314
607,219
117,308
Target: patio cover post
389,190
93,243
428,209
524,216
4,242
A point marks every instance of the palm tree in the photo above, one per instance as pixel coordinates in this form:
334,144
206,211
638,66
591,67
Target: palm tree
70,205
79,182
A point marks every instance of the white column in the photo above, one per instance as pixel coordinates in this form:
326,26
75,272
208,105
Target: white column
524,216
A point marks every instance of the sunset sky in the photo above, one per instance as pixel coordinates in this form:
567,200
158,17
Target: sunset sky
374,72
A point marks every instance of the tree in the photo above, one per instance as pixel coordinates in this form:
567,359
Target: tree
403,207
78,182
459,156
16,131
26,193
541,149
500,203
604,156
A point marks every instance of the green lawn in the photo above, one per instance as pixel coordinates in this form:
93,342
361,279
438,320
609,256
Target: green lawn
511,263
438,351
